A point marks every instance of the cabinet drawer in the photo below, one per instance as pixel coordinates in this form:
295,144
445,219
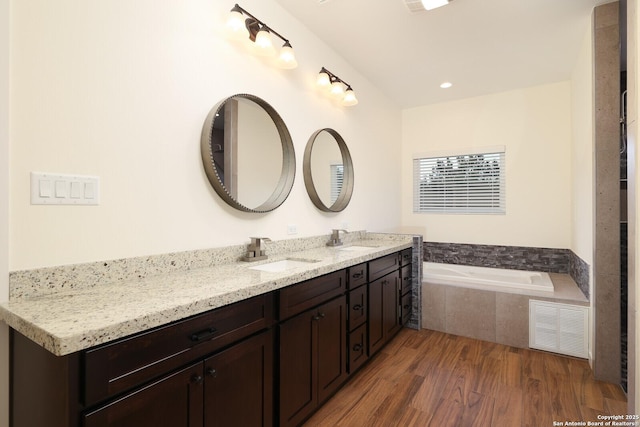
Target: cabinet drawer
298,298
406,275
357,275
405,256
357,307
405,307
382,266
357,348
118,366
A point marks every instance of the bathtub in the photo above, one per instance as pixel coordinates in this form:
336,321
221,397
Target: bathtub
490,279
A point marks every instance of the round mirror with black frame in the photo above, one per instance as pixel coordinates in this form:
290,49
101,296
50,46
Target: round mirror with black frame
328,171
248,154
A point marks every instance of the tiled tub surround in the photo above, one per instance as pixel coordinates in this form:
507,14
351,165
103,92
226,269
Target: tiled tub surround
486,315
69,308
547,260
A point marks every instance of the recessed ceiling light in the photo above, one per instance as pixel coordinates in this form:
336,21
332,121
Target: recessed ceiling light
432,4
446,85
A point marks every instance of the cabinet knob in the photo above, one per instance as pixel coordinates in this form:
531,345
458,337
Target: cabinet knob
212,372
357,347
321,315
316,317
357,307
196,378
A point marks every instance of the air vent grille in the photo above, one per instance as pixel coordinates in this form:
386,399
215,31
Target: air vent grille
561,328
414,6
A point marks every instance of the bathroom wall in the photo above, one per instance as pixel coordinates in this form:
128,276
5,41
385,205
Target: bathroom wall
582,162
534,124
582,151
120,90
4,206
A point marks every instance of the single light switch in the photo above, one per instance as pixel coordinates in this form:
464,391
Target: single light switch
44,188
89,190
61,189
76,190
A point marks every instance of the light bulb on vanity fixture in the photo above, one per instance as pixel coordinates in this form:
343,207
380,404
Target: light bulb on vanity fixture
241,24
337,88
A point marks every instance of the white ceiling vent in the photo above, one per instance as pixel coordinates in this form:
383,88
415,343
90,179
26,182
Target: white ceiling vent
414,6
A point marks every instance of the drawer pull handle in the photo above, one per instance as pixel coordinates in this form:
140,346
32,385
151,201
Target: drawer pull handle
357,307
207,333
406,307
358,275
357,347
407,278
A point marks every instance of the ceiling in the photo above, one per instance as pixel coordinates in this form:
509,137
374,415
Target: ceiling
481,46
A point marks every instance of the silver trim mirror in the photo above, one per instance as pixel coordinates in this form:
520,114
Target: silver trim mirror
240,134
341,196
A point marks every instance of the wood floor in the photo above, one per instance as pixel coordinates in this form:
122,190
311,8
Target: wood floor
428,378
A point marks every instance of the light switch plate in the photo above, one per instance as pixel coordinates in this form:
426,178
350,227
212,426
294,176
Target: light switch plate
58,189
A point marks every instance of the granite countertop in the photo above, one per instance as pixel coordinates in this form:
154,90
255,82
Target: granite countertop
75,319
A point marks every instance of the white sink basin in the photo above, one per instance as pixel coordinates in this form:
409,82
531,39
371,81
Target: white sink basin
283,265
357,248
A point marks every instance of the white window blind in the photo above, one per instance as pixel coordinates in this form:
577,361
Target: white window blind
466,184
336,181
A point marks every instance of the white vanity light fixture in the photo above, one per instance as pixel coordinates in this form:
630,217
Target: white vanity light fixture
432,4
336,88
241,24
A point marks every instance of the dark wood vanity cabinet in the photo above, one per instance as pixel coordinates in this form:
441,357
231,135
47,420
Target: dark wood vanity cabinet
390,284
269,360
231,388
313,347
196,372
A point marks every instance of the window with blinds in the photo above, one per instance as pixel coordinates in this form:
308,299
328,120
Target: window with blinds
336,181
460,184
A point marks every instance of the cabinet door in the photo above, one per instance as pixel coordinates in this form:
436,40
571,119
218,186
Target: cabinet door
384,316
313,359
297,381
391,304
175,400
238,387
332,347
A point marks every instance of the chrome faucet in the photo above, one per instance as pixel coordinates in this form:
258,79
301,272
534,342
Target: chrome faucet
254,251
334,240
